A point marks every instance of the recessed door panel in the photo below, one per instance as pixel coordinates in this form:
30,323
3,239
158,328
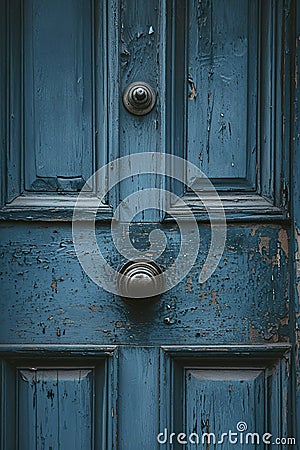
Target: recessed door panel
221,401
56,404
222,65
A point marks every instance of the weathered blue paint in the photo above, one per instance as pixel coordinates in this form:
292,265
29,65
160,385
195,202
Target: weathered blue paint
54,126
66,398
56,402
50,299
222,66
253,168
202,393
138,397
80,368
58,89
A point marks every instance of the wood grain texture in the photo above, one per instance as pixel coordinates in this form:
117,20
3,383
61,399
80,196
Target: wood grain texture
208,390
13,123
63,408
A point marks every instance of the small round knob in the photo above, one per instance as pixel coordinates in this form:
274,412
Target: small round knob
139,94
140,280
139,98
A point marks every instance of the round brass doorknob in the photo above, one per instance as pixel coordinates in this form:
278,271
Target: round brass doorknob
139,98
140,279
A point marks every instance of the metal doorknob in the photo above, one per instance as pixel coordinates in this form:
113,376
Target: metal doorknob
140,280
139,98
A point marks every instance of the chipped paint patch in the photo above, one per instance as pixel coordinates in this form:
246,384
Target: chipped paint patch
214,295
93,308
54,285
188,287
254,335
264,243
254,229
284,241
192,88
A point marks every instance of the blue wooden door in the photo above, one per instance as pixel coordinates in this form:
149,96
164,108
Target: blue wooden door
208,364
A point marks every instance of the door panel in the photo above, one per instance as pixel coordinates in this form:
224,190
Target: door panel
56,105
81,367
213,403
58,95
63,406
227,96
222,64
57,402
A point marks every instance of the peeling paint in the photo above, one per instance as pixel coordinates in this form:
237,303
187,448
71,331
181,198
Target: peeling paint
247,285
192,88
264,243
254,335
54,285
284,241
188,287
93,308
254,229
